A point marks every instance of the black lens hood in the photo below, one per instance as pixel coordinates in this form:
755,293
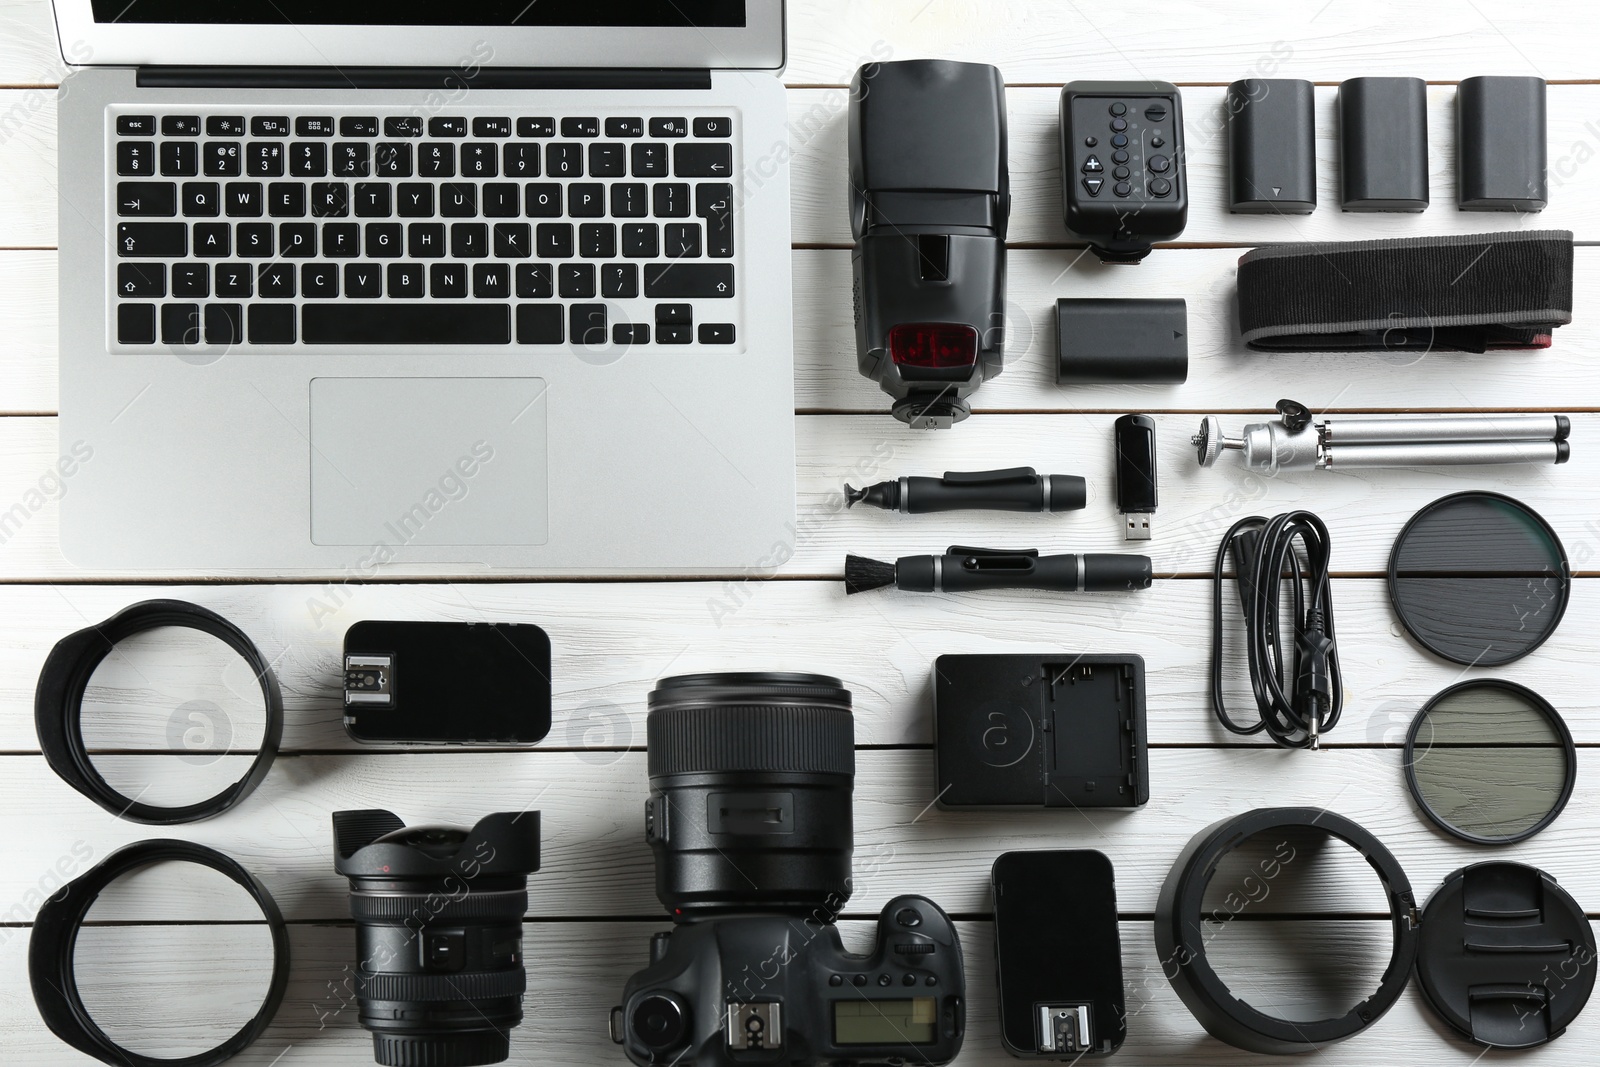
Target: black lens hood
58,707
1181,935
506,842
53,973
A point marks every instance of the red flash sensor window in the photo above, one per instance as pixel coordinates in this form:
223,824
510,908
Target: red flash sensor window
933,345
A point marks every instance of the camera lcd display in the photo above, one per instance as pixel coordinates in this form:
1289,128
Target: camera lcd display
885,1022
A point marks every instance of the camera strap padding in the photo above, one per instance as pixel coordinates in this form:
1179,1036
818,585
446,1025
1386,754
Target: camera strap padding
52,970
1457,293
58,707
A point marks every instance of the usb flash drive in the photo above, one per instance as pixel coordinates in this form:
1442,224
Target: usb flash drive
1135,437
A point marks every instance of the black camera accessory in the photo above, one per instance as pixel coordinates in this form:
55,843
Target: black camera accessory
1479,578
930,194
1500,144
1294,714
58,707
1272,147
1503,954
1110,340
1490,761
1182,934
749,818
52,966
1298,442
1383,144
753,988
751,777
1122,165
1058,954
1506,957
439,972
962,570
1459,293
453,682
1024,731
1134,438
1013,489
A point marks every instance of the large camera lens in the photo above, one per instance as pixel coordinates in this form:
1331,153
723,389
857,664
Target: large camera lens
750,786
439,975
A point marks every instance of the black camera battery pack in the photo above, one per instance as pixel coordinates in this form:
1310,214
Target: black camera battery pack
1272,147
446,682
1058,954
1501,144
1063,731
1383,144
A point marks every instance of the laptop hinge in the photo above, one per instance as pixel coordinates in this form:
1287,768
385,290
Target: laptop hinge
451,79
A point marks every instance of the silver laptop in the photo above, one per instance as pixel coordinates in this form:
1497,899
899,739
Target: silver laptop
493,285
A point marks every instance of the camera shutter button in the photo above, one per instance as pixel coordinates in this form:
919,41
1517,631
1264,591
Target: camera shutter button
908,917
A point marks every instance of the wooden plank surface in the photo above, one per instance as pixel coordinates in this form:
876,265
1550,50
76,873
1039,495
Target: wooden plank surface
571,989
162,706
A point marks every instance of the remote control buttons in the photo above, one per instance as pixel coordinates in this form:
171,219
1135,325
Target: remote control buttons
1092,165
1122,188
1160,187
1155,112
1119,108
1160,164
1118,125
1119,140
1120,173
1090,142
1119,157
1092,185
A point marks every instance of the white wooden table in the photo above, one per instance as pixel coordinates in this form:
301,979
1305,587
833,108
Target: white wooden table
593,904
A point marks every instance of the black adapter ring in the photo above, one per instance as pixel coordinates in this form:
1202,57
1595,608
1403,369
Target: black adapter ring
53,973
58,707
1181,935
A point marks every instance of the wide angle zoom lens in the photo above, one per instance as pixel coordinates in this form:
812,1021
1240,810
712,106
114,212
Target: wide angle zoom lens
439,975
751,777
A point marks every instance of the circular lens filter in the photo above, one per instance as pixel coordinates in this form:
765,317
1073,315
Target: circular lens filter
1490,761
1479,579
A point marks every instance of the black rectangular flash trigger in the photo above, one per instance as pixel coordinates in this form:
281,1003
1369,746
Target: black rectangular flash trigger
446,682
1058,955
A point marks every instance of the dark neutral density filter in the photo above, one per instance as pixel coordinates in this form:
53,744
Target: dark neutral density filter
1490,761
1479,579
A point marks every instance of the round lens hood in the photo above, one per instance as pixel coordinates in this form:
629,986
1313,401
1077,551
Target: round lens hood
1181,937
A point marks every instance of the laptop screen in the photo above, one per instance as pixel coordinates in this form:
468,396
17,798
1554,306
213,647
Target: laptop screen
704,13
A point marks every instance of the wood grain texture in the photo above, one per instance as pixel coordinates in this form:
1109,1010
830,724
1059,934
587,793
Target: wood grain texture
596,863
611,642
817,122
576,971
1034,42
1364,508
593,905
1222,375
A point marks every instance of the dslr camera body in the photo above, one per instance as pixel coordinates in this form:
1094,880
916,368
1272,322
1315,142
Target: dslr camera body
768,989
749,816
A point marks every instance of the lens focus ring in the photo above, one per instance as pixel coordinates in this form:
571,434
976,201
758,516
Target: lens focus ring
713,723
420,909
478,985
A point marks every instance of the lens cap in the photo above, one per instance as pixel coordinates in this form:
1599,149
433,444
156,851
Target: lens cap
1490,762
1507,957
1479,579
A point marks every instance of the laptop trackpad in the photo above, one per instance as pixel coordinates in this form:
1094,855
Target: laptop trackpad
428,461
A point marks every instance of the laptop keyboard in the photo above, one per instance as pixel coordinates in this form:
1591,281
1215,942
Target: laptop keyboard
371,229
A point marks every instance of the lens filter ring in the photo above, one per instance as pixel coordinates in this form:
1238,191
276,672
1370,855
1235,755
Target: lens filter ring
52,970
58,708
1181,936
1490,761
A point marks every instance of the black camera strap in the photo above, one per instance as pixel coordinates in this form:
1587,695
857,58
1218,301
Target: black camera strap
53,973
1460,293
58,707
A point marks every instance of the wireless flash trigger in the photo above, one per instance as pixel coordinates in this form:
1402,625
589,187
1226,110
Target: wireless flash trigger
930,193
